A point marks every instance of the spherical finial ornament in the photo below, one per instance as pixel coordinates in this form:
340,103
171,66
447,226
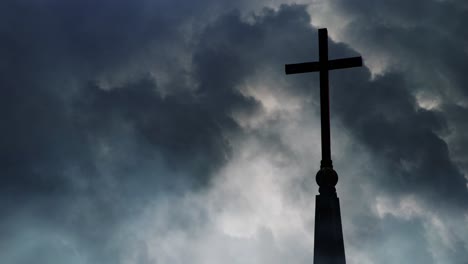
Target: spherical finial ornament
326,178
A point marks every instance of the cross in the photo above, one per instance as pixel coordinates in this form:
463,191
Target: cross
323,66
328,236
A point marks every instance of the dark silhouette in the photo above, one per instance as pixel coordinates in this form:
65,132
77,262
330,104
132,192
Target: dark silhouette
329,246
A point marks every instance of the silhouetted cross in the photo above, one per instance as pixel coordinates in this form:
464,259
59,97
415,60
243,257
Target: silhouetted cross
323,66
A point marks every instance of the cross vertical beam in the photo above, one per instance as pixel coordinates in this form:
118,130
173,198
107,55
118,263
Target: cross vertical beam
324,98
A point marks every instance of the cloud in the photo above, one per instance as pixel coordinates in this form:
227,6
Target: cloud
146,133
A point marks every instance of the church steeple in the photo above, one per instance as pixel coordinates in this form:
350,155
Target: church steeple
329,245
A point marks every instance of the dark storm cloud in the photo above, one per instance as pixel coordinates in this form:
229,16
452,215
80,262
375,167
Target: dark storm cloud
384,116
51,51
80,158
426,40
381,113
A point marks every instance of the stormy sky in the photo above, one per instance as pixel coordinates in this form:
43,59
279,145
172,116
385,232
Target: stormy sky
166,132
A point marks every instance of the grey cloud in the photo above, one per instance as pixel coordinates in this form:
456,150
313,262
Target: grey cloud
384,116
78,161
409,156
425,40
83,160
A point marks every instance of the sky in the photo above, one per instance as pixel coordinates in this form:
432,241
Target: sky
166,132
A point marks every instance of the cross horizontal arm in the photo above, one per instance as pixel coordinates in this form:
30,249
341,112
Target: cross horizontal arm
315,66
302,67
345,63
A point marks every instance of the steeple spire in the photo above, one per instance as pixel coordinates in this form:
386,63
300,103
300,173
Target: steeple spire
329,245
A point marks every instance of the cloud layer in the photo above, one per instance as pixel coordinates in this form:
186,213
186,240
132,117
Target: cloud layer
167,132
